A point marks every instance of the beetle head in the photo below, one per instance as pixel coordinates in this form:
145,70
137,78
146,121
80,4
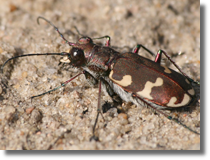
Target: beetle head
76,57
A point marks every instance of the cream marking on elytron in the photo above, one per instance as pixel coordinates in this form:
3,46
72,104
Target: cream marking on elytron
184,102
148,88
167,70
126,80
191,92
187,81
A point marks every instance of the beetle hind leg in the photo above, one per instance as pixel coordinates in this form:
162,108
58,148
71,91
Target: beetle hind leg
151,106
167,56
158,57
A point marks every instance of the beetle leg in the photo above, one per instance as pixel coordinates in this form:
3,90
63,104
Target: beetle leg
62,85
158,57
99,110
161,51
115,98
108,40
107,87
92,80
112,94
138,46
166,115
78,32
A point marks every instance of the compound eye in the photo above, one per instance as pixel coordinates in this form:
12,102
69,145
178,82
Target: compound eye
77,57
77,54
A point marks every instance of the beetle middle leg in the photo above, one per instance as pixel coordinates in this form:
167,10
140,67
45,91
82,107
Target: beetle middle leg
108,40
138,46
115,98
157,56
109,90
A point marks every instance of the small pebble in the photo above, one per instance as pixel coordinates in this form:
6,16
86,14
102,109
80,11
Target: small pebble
122,115
1,50
36,116
29,110
9,110
123,118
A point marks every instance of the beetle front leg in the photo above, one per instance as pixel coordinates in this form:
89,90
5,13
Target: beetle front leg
62,85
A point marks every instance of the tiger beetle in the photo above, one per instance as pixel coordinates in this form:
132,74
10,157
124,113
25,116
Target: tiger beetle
128,75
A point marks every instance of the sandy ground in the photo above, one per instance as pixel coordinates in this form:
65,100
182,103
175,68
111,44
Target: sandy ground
63,120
